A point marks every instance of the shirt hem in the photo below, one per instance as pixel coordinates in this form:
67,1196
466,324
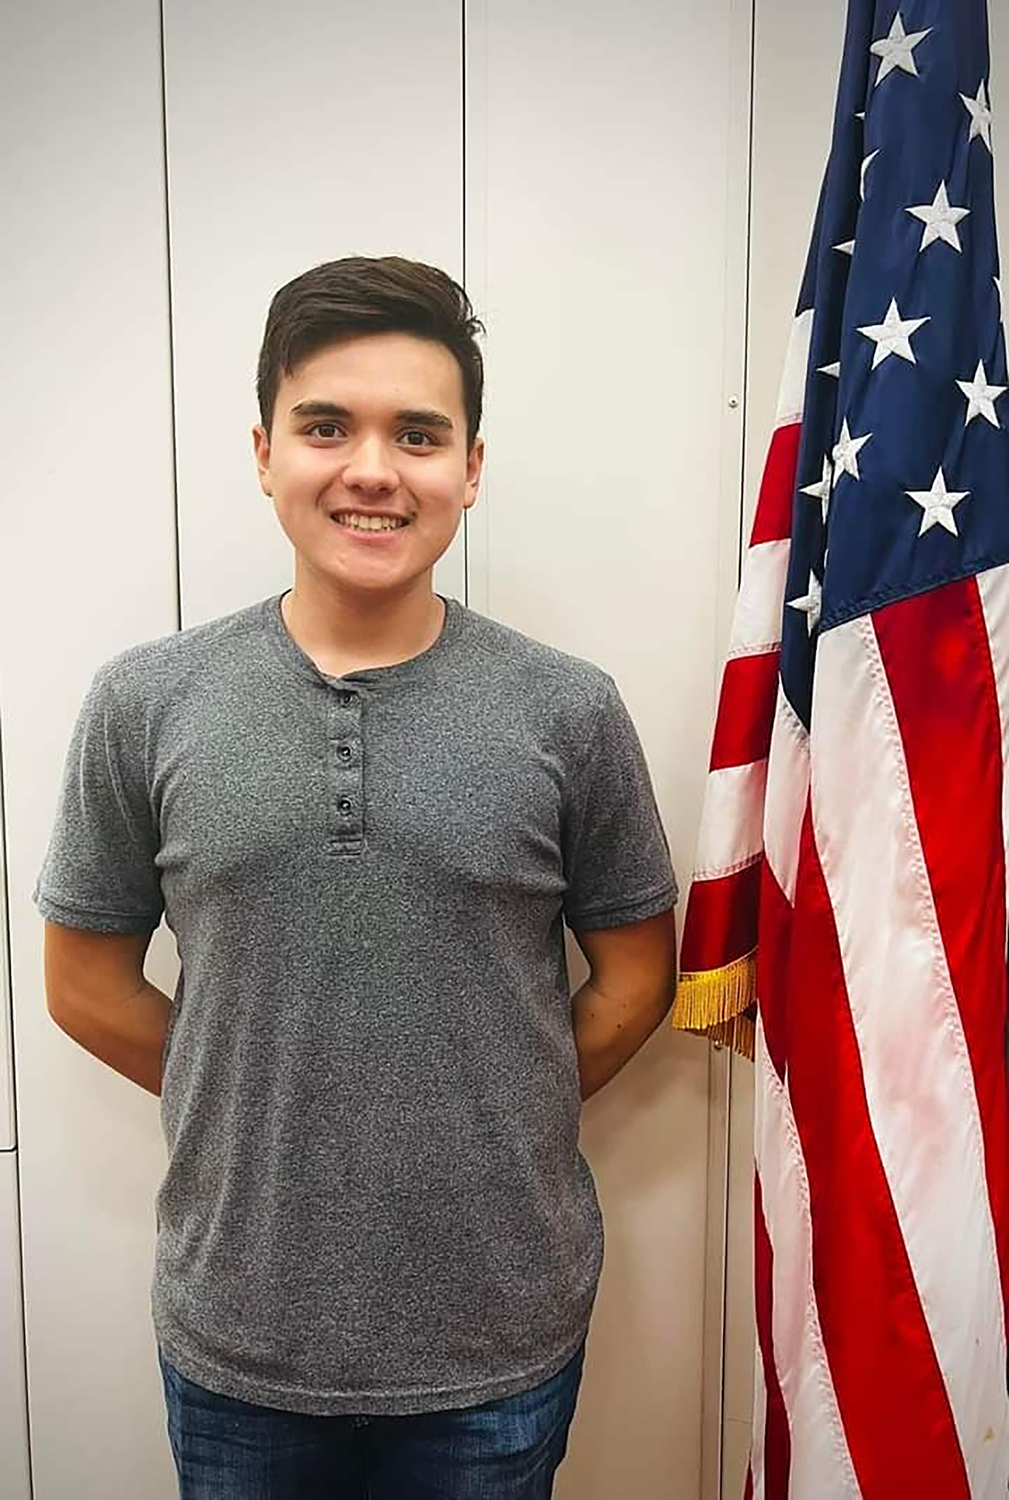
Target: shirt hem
416,1402
631,911
92,919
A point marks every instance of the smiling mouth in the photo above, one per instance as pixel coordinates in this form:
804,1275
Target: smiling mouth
370,525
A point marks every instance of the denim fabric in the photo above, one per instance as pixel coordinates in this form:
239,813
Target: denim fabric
226,1449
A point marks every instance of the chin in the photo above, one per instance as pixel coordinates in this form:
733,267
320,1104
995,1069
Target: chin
373,580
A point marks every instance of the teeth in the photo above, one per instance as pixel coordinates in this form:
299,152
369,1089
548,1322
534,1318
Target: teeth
369,523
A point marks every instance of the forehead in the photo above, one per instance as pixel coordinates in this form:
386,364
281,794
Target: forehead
398,368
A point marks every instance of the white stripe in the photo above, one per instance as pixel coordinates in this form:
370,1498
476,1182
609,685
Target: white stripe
994,590
787,789
756,622
792,392
918,1081
731,820
820,1462
759,1424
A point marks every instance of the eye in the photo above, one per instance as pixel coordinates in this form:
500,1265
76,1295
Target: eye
332,426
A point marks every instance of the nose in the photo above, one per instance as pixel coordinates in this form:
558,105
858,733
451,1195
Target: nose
368,466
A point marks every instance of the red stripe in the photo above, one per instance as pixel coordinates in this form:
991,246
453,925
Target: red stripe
777,1441
896,1414
721,920
938,664
773,519
772,967
748,1491
745,710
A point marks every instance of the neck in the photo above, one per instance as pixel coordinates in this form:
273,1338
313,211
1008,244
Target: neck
345,632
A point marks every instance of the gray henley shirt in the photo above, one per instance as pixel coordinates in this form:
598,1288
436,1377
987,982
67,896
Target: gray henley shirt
374,1200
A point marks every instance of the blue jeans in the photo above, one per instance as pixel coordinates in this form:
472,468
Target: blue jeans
226,1449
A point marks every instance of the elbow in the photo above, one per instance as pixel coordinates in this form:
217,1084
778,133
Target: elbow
60,1011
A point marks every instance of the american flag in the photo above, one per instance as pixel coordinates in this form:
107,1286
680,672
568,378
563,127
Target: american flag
847,925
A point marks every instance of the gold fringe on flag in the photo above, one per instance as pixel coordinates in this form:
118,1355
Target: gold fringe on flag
720,1004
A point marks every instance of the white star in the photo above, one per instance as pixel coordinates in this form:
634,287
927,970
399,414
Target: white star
937,504
981,396
848,248
896,50
867,163
821,490
893,335
980,115
810,603
940,220
834,369
846,451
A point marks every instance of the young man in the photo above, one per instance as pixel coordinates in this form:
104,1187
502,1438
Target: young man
365,812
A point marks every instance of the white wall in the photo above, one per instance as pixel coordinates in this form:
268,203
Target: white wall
797,52
612,302
604,258
87,565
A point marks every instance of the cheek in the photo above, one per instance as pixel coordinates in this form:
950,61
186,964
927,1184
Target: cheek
310,468
444,492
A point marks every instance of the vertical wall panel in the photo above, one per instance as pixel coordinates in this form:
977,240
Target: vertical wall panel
606,171
294,137
797,59
87,567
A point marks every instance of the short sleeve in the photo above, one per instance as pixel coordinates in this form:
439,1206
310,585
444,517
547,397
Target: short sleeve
99,870
616,855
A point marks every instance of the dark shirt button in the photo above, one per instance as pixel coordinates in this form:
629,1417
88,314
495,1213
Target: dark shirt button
345,697
344,805
344,752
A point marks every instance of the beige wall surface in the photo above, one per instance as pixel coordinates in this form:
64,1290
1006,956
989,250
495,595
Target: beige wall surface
604,258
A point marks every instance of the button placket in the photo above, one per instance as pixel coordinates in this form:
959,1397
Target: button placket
345,771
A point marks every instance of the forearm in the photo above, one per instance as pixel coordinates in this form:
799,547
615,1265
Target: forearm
608,1032
128,1035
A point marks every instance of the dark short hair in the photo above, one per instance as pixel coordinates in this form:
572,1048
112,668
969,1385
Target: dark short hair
369,295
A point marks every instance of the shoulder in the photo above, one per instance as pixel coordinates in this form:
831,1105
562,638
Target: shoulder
536,670
156,670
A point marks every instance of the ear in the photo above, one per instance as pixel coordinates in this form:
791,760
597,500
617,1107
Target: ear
261,449
474,469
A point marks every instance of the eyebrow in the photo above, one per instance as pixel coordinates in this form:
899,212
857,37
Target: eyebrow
423,416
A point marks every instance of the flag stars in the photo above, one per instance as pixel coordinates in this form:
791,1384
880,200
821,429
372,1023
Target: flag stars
821,490
937,505
846,451
897,49
893,335
940,219
981,396
810,603
979,109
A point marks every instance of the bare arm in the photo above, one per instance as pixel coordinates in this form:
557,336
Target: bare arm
628,993
96,992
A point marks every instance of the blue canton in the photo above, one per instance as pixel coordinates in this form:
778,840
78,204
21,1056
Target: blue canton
904,283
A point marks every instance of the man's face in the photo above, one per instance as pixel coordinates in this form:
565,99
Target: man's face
324,465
